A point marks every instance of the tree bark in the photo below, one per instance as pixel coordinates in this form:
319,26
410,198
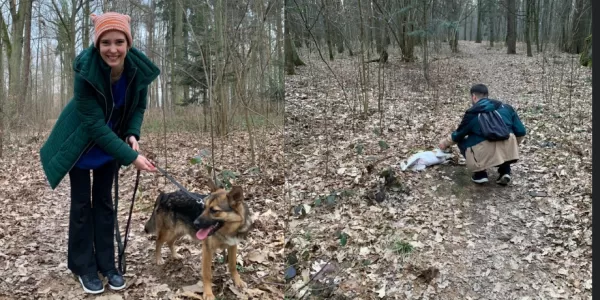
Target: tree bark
511,27
2,98
26,67
492,13
479,23
528,13
287,43
15,52
327,25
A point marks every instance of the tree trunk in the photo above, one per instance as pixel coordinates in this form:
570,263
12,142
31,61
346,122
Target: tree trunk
15,53
511,27
405,20
536,27
287,42
327,25
279,39
86,25
471,28
177,89
528,17
152,95
566,31
26,67
579,27
2,98
479,19
492,13
465,30
363,73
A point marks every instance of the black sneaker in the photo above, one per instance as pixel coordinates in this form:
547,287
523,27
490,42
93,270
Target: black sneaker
115,280
480,177
503,179
91,283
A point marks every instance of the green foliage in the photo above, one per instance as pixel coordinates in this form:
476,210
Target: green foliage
383,145
359,148
343,237
401,247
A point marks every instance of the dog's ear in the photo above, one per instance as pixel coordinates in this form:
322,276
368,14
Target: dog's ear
212,186
236,195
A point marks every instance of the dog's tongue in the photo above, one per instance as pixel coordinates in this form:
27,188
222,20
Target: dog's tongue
202,233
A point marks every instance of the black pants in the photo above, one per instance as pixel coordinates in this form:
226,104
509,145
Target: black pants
502,169
91,223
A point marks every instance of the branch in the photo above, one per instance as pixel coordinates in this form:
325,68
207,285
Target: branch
61,19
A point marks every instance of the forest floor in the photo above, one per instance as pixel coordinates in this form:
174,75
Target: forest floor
34,223
436,236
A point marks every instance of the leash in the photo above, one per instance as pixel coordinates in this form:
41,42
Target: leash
122,265
195,197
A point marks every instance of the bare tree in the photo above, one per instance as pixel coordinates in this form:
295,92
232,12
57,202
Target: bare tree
511,27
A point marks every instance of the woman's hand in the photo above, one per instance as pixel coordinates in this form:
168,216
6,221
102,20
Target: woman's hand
143,164
133,143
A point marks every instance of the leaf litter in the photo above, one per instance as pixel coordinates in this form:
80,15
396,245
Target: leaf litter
457,240
34,223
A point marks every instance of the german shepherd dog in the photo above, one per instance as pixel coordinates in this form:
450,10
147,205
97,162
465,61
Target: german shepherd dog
173,217
222,222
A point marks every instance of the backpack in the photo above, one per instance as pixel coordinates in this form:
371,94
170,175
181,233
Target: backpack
493,127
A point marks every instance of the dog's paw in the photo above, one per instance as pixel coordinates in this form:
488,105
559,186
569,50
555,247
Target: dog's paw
160,261
208,295
239,283
177,256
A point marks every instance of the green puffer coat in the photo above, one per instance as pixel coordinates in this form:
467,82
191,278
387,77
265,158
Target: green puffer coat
83,122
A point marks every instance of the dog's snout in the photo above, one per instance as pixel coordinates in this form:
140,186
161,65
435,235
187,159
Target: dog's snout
198,221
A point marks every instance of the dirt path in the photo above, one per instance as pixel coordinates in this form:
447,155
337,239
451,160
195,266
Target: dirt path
443,237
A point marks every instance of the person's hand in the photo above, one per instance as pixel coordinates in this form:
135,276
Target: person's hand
442,146
133,143
143,164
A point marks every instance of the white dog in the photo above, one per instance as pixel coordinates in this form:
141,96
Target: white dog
420,161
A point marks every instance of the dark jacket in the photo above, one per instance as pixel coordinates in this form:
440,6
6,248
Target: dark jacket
468,133
83,122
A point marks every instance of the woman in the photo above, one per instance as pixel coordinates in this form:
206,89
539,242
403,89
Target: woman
98,130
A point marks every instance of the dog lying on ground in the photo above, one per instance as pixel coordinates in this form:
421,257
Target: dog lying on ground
221,222
420,161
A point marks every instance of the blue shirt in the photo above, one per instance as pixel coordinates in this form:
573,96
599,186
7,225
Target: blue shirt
96,157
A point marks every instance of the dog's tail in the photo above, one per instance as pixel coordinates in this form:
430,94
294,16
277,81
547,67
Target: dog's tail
150,226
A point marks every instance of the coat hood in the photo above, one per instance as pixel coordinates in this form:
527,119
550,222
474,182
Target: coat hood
484,105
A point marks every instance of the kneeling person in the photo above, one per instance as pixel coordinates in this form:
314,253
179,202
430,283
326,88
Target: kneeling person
480,149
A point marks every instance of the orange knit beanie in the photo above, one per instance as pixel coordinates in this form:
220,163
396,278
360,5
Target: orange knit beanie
111,21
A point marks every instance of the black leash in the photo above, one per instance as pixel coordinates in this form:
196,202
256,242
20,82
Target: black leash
199,200
121,246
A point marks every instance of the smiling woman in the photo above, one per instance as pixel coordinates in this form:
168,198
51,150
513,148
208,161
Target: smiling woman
97,131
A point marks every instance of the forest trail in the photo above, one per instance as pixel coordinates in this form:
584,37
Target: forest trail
440,236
